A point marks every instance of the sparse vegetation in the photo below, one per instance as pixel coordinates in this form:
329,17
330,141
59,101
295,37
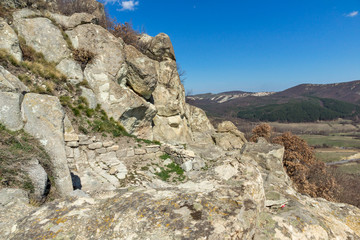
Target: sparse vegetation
16,150
170,169
164,156
83,56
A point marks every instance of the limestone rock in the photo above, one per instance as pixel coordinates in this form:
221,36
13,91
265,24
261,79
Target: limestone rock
200,125
38,178
89,95
72,70
140,73
9,40
159,47
41,34
171,129
169,95
228,137
10,111
122,104
43,116
69,132
10,83
69,22
25,13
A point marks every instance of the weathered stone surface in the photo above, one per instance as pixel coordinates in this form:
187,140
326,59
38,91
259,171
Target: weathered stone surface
42,35
13,3
9,40
43,117
169,95
120,103
69,22
72,70
10,111
139,72
171,129
228,137
69,132
199,124
89,95
38,177
10,83
25,13
158,47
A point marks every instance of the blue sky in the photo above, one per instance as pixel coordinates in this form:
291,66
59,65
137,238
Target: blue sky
253,45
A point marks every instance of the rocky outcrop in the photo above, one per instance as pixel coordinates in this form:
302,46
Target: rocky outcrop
43,117
70,22
11,95
9,40
10,112
121,103
159,48
38,177
228,137
139,72
10,83
42,35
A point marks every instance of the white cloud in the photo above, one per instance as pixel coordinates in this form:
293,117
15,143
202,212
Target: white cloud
353,14
128,5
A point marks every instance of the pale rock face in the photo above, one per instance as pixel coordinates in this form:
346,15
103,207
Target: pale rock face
90,97
38,178
71,69
119,102
10,112
9,40
169,95
200,125
74,20
10,83
43,117
159,47
42,36
228,137
171,129
141,72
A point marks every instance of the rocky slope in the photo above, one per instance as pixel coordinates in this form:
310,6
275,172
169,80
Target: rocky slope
200,182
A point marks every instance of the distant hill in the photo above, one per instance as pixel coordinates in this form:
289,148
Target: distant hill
302,103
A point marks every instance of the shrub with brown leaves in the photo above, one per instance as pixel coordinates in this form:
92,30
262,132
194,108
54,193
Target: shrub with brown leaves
309,176
83,56
262,130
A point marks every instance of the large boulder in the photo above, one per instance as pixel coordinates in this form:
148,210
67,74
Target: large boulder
119,102
9,40
43,116
72,69
228,137
200,125
139,72
70,22
172,129
38,177
169,95
10,83
10,112
42,35
159,47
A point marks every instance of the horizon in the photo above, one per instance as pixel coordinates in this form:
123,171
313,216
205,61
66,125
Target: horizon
255,46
